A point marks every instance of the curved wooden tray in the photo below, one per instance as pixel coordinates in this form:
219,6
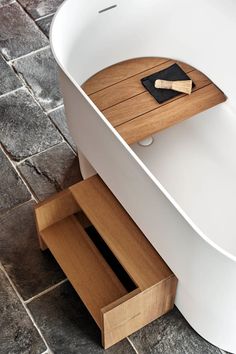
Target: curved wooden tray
120,96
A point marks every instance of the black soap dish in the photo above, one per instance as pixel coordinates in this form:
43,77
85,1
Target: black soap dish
172,73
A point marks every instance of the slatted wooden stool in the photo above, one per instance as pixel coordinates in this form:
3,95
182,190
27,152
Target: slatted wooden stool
62,221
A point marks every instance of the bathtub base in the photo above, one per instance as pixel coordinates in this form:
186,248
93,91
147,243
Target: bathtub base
118,309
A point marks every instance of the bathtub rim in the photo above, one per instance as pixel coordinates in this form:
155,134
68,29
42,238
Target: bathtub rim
117,136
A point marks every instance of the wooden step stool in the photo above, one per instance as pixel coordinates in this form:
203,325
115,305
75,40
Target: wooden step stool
62,221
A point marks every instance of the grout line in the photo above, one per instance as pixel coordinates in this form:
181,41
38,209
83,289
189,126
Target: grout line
8,3
29,54
8,93
32,192
13,163
8,155
75,152
29,90
5,214
132,345
24,305
28,187
45,291
64,139
32,18
55,108
25,86
17,163
45,16
22,178
18,74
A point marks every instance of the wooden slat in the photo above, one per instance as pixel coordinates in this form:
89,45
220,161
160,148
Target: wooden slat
127,88
53,210
88,272
121,234
171,113
119,72
143,103
135,312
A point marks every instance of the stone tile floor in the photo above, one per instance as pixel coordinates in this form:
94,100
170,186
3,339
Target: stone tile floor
40,312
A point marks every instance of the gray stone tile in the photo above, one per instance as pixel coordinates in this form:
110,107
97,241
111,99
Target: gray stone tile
8,79
171,334
40,72
19,34
59,119
45,23
24,128
51,171
12,189
39,8
67,325
30,269
5,2
18,334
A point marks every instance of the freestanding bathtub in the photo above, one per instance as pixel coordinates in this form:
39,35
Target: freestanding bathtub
181,190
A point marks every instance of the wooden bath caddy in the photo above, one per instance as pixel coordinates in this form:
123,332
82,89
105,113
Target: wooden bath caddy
120,96
62,221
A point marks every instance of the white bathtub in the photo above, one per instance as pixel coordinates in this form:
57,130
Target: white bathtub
181,190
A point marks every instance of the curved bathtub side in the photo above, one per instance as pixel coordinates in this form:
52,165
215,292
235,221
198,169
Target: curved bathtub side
200,33
205,275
